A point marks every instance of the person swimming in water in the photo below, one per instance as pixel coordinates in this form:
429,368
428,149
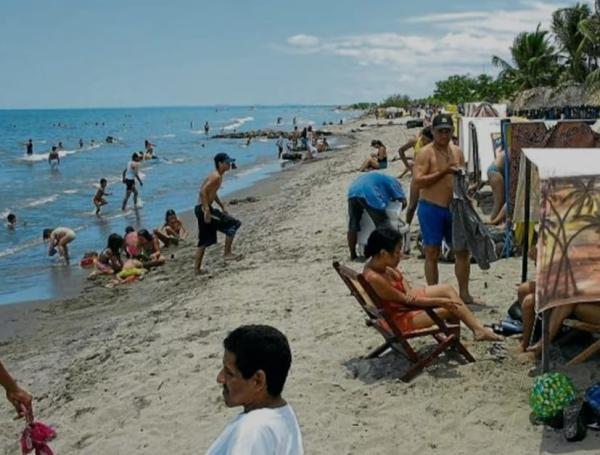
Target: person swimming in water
53,157
11,221
29,147
80,143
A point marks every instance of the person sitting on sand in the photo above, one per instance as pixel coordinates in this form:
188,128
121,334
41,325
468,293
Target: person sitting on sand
384,248
323,145
172,231
99,199
58,239
256,362
11,221
109,260
131,242
17,396
377,160
211,220
149,251
53,156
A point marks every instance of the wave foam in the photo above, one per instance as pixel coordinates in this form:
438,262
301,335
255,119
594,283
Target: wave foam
237,122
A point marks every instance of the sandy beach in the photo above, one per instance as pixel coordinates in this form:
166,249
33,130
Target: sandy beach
131,370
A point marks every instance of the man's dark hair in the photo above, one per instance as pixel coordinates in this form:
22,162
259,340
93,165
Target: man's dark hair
261,347
11,218
427,133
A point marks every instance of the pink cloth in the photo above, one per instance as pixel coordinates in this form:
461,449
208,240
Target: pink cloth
36,436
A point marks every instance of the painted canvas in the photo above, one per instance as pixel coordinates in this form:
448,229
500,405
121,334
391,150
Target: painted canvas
568,266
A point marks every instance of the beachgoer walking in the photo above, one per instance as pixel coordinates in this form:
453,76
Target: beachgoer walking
18,397
29,147
295,137
99,199
211,220
206,128
130,175
280,145
256,362
425,138
433,175
371,192
58,239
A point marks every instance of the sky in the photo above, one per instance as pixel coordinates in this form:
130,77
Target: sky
113,53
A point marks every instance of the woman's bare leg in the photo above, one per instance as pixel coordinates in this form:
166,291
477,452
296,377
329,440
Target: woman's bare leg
462,312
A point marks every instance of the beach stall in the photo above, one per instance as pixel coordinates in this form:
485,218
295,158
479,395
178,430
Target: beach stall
568,256
484,138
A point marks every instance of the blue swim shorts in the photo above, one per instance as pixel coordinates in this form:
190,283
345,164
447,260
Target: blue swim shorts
435,222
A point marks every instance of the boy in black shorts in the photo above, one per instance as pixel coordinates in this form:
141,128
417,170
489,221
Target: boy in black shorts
211,220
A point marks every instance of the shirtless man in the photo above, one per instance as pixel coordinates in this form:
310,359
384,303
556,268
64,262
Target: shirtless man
211,220
433,175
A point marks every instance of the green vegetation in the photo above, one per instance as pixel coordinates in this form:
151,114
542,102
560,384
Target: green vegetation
569,52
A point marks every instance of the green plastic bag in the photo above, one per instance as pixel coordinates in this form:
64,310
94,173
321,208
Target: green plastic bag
551,393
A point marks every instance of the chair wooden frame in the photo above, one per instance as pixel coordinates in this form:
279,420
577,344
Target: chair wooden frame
590,350
446,335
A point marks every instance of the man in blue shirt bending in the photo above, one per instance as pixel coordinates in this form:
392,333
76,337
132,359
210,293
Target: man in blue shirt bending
371,192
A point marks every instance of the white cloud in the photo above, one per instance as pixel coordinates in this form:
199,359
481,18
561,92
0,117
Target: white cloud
303,40
448,43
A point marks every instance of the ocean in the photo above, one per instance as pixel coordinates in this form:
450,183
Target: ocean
42,197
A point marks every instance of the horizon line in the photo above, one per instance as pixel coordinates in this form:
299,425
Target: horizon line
174,106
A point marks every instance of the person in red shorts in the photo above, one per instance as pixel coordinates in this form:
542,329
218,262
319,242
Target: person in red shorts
384,248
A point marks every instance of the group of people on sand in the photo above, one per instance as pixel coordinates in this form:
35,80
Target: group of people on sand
435,161
129,256
310,145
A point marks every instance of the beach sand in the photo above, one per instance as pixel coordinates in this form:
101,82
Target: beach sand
132,370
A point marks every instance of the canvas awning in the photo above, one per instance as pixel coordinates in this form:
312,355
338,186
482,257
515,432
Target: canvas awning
568,257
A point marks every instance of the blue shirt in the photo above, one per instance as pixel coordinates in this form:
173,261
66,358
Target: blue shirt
376,189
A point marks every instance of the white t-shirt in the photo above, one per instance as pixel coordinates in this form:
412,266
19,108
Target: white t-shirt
261,432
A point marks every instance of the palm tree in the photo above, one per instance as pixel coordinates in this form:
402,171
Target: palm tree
573,43
535,61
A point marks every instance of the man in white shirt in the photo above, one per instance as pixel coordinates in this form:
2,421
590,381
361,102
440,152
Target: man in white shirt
256,362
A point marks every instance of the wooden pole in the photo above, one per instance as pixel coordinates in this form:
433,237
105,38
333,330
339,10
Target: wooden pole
545,341
526,218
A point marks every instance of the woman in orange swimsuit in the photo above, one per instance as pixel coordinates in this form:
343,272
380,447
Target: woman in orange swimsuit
384,248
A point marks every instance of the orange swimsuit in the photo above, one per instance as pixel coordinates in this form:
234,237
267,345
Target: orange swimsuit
403,319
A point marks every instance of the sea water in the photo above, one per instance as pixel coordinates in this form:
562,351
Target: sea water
45,197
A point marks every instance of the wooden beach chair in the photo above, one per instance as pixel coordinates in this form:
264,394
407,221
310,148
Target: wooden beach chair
446,335
590,350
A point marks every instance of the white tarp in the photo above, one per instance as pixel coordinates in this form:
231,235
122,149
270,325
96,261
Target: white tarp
483,128
470,108
564,162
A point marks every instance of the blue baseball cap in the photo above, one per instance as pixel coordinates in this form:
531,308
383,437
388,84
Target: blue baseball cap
224,158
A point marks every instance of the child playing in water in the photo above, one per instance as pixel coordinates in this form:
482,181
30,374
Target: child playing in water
11,221
57,239
99,199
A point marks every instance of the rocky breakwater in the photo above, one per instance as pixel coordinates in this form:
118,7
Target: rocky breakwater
269,134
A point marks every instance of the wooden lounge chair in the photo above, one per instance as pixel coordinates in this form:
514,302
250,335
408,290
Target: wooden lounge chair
446,335
590,350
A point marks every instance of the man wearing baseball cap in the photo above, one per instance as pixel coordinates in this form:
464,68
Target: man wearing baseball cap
433,175
211,220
